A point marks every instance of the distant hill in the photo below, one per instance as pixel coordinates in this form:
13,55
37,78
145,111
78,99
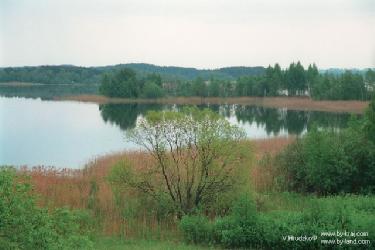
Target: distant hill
69,74
340,71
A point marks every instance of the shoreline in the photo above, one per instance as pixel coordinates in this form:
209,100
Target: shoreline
259,147
291,103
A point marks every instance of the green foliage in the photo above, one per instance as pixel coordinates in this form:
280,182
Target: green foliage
25,226
152,90
318,163
370,121
197,160
241,227
199,87
122,84
120,81
125,84
48,91
124,181
196,228
63,74
113,243
67,74
330,162
247,228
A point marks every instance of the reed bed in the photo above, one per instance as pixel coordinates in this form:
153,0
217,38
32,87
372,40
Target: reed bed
88,188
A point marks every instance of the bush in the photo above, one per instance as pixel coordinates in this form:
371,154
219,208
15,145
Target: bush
23,225
196,228
241,227
370,121
329,162
152,90
246,228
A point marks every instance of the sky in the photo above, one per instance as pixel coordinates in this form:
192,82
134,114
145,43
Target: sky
189,33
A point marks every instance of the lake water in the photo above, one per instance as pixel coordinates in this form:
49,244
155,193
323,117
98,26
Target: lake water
69,134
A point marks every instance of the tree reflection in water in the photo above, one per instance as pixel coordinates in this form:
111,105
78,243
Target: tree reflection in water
273,120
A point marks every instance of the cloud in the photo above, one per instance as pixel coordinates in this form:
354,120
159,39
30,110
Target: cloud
200,33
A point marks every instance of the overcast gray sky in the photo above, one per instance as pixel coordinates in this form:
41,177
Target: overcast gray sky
193,33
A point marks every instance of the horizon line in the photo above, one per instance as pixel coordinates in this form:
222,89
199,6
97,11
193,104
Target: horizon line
185,67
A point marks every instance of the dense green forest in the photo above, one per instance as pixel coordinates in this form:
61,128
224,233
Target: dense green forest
150,81
293,81
66,74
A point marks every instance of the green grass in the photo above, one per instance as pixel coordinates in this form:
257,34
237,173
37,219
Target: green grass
111,243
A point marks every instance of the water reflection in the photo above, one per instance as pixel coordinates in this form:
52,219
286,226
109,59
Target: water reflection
125,115
47,91
272,120
68,134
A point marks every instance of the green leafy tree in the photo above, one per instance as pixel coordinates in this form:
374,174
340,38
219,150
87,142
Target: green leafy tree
122,84
370,121
199,87
214,88
198,157
152,90
352,86
155,78
23,225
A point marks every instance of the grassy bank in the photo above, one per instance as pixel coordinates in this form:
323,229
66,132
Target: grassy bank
292,103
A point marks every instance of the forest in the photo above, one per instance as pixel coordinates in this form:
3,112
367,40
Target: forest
68,74
150,81
293,81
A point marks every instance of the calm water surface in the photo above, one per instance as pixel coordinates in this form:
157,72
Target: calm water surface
69,134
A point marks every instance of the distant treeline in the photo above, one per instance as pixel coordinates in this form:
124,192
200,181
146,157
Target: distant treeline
65,74
293,81
150,81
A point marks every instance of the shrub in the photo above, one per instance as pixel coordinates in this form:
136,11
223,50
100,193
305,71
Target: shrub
241,227
370,121
329,162
152,90
196,228
246,228
23,225
238,229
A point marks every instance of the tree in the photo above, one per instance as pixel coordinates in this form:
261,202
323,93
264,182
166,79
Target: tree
214,87
24,225
197,156
155,78
370,121
122,84
199,87
152,90
312,76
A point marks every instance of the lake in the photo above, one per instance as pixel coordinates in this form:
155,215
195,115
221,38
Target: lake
69,134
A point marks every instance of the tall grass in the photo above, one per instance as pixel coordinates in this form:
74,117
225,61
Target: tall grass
262,173
88,188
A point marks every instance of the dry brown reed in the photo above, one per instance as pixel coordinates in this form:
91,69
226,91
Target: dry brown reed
89,188
262,173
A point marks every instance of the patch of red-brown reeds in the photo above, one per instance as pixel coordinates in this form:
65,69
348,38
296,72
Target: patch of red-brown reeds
262,173
88,188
